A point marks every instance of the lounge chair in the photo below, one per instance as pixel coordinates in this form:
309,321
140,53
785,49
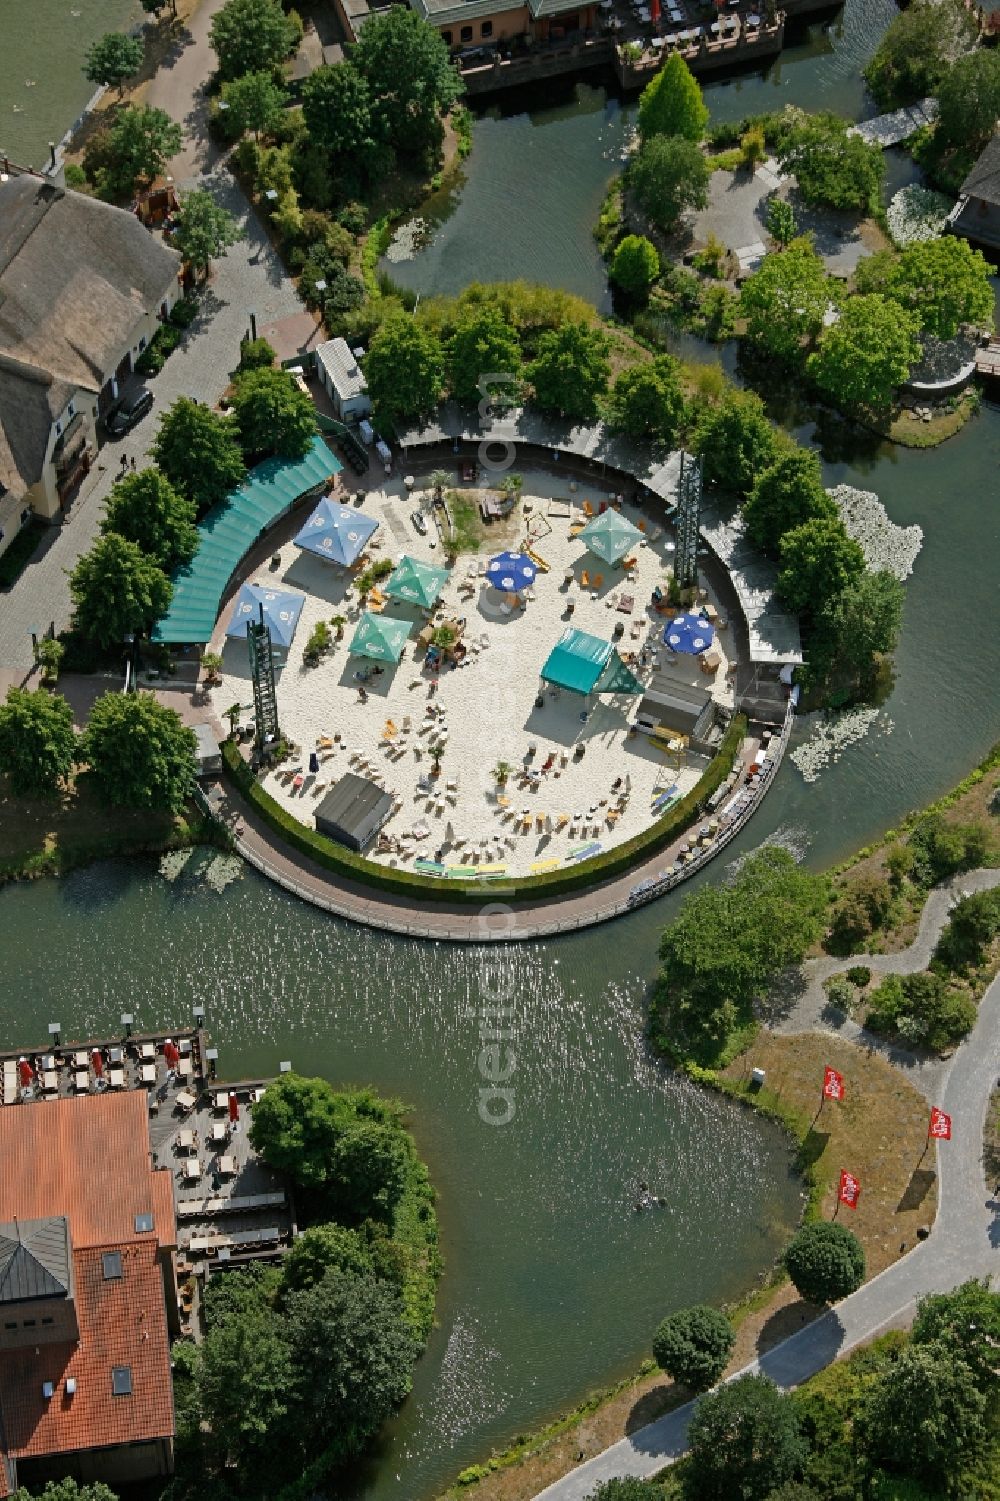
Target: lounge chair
585,580
588,510
597,581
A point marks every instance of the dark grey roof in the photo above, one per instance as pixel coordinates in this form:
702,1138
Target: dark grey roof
30,401
35,1260
75,277
353,811
447,12
984,179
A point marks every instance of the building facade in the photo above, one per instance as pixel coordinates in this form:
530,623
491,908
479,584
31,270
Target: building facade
83,288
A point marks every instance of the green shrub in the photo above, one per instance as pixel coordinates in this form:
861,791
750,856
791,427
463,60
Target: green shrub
923,1010
826,1262
318,643
256,354
972,927
840,993
859,975
184,312
865,908
163,343
941,849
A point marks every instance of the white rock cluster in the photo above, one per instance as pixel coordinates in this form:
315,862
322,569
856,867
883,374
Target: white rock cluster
831,738
410,237
886,546
917,213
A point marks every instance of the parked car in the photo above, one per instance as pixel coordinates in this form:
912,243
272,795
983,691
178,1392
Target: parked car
123,418
419,521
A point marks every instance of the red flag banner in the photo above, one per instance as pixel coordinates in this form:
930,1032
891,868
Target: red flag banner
940,1124
850,1190
833,1084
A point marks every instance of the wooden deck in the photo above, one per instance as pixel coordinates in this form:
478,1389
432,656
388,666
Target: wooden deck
988,359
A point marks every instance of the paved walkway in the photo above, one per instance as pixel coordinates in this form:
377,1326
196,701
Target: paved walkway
965,1241
249,276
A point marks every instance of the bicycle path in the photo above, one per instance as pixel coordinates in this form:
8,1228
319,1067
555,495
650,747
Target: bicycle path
964,1242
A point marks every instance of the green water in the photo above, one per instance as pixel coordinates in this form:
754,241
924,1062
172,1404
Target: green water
46,41
553,1283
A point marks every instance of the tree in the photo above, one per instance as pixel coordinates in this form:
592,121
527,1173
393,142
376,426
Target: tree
693,1346
139,144
323,1248
780,221
943,849
635,265
250,36
785,300
785,495
818,561
973,925
744,1441
923,1415
571,370
37,741
834,169
117,592
410,76
484,343
272,415
629,1489
647,400
866,354
147,510
203,230
255,102
736,441
404,370
728,942
944,281
340,113
916,53
966,1321
256,354
669,175
825,1261
969,100
861,623
245,1383
140,753
296,1127
113,59
353,1357
368,1173
672,105
199,452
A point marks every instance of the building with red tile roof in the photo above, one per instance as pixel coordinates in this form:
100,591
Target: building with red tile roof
86,1278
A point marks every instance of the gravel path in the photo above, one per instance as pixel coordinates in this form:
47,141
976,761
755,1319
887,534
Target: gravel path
965,1241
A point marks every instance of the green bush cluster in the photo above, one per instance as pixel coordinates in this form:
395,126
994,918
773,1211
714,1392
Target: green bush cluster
922,1009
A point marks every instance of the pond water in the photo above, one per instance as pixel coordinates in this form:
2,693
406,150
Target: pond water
553,1283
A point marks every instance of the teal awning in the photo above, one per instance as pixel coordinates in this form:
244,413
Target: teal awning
577,661
380,637
610,535
616,678
418,583
229,531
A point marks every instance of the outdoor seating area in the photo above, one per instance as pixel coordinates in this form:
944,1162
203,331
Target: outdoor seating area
159,1065
684,26
491,769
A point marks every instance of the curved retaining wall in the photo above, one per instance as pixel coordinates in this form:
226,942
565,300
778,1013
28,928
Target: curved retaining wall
583,909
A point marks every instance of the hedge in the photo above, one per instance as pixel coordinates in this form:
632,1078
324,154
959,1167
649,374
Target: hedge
343,862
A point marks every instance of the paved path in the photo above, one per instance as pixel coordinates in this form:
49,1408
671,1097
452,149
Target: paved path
249,276
965,1241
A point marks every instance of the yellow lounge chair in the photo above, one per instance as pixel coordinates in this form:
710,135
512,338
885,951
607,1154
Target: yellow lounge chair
588,509
585,580
597,581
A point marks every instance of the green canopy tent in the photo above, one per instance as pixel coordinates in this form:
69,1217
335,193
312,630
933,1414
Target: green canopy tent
415,582
585,664
380,637
610,536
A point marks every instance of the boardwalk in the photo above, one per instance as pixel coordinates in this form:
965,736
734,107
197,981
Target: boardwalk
889,130
965,1242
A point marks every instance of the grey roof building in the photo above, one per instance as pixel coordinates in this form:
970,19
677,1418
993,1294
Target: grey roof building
81,287
977,213
338,369
35,1260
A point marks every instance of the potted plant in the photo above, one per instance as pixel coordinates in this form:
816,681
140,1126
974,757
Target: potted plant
50,654
444,638
437,751
338,622
233,714
212,663
438,480
501,772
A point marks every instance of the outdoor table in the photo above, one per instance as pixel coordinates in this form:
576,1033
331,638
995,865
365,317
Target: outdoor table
185,1139
227,1165
49,1081
258,1094
82,1080
658,42
79,1060
116,1055
222,1100
147,1073
219,1131
49,1061
117,1078
184,1100
184,1046
147,1050
192,1169
183,1069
